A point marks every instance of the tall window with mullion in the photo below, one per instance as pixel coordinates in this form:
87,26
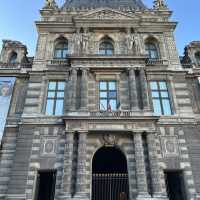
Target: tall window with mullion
108,95
160,97
61,49
55,98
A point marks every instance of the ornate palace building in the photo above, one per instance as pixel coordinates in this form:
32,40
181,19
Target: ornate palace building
106,109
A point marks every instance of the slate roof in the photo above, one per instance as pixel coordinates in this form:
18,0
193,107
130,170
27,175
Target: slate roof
115,4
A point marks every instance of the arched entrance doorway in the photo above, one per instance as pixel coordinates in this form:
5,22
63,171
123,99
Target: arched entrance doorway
109,175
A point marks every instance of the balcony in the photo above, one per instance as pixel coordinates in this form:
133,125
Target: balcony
156,62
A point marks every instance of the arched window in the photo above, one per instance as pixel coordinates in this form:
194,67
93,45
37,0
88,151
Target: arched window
106,47
197,56
13,58
61,49
152,50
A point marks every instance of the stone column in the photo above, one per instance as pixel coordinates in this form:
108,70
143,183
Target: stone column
84,89
155,170
133,90
144,89
73,89
142,186
81,166
67,168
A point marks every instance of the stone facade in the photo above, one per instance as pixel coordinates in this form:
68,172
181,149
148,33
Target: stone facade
35,141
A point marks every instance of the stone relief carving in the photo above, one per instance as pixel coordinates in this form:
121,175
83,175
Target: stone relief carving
107,14
169,146
48,146
80,43
109,139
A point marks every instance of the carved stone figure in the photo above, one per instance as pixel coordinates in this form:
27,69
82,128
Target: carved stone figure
85,42
130,42
50,4
158,4
77,43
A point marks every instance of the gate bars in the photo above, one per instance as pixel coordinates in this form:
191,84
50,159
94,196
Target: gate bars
110,187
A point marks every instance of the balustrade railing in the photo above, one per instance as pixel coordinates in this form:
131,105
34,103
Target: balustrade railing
15,65
156,62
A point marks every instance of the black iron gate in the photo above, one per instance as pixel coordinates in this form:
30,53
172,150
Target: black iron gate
110,187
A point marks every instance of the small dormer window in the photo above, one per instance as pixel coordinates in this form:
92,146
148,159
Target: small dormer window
13,58
106,47
197,56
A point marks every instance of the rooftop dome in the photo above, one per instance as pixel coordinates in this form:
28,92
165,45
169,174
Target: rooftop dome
115,4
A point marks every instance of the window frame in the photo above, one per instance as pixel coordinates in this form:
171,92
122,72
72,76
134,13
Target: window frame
11,60
63,49
105,46
160,98
197,57
107,92
149,50
55,98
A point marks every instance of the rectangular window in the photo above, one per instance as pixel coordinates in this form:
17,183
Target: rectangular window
55,98
160,98
108,95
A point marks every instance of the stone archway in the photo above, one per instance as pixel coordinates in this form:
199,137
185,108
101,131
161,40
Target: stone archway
109,175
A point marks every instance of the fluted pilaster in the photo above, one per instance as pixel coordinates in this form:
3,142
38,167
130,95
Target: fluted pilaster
133,90
73,86
144,88
84,89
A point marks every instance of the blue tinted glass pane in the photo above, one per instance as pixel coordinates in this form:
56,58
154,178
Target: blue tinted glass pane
103,86
157,107
155,94
166,107
59,107
154,54
51,94
113,104
103,94
65,53
112,85
52,85
154,85
58,54
164,94
49,107
102,52
60,94
112,94
61,85
103,104
163,85
109,52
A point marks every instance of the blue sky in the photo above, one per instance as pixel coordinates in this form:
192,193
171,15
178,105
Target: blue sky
17,21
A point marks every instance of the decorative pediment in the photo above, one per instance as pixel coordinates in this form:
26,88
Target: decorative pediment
106,14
